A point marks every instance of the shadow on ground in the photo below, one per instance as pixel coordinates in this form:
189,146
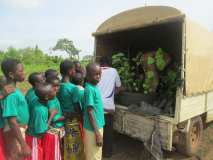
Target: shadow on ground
126,148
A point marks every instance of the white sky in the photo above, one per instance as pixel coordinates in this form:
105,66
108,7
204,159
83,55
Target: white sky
30,22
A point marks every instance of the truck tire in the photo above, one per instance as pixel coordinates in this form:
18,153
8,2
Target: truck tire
189,142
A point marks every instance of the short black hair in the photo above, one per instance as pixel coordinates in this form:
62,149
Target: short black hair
33,78
90,67
43,90
3,82
51,72
105,60
51,78
9,65
78,79
65,66
76,62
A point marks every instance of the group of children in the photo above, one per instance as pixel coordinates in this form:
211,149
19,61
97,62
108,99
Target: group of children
58,118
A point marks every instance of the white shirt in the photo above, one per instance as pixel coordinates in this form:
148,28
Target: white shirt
109,80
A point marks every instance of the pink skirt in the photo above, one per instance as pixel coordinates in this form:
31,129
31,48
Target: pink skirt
2,146
51,146
36,146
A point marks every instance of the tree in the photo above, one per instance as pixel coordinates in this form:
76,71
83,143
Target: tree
67,46
87,59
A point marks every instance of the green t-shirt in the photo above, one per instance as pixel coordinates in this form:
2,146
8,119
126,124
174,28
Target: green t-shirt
54,104
68,96
30,96
38,119
1,118
15,105
81,97
92,97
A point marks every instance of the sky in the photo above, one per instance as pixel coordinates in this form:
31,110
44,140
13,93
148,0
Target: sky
42,22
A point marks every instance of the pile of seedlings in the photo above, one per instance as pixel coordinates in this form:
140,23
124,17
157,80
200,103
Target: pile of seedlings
152,73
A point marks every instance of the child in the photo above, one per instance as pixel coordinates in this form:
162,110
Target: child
38,125
5,89
93,115
79,68
68,92
68,97
34,79
78,80
54,105
51,72
15,112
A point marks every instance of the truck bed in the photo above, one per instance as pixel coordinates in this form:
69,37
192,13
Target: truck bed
141,127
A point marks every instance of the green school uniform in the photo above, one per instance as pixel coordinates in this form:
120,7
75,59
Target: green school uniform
30,96
68,96
93,99
38,119
15,105
1,118
81,97
54,104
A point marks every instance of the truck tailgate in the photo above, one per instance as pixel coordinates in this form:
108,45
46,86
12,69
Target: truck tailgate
141,127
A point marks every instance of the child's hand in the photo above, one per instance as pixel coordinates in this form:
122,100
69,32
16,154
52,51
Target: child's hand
9,89
26,151
99,139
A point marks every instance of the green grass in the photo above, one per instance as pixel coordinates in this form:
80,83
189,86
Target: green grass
39,68
30,68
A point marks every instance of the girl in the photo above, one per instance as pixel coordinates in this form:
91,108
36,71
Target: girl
68,97
34,79
37,133
15,111
5,89
78,80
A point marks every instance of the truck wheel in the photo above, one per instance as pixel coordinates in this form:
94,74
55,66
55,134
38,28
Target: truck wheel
189,142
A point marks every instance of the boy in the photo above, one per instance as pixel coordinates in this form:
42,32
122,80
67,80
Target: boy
15,112
94,114
34,79
38,125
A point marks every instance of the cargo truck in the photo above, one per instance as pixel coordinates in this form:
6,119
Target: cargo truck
191,44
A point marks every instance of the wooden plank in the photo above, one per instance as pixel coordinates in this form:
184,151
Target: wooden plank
141,128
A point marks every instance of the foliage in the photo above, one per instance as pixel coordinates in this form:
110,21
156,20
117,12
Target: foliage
148,73
170,80
32,58
67,46
160,61
121,63
87,59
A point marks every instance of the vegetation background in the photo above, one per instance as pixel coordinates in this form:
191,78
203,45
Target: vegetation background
35,60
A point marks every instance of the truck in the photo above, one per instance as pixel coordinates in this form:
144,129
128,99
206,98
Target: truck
191,45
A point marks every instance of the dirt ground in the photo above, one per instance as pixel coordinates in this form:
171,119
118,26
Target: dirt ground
126,148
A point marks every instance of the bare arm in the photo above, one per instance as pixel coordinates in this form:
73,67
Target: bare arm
119,89
52,113
17,133
60,119
99,138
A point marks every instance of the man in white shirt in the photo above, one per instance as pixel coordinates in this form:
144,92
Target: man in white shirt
109,84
